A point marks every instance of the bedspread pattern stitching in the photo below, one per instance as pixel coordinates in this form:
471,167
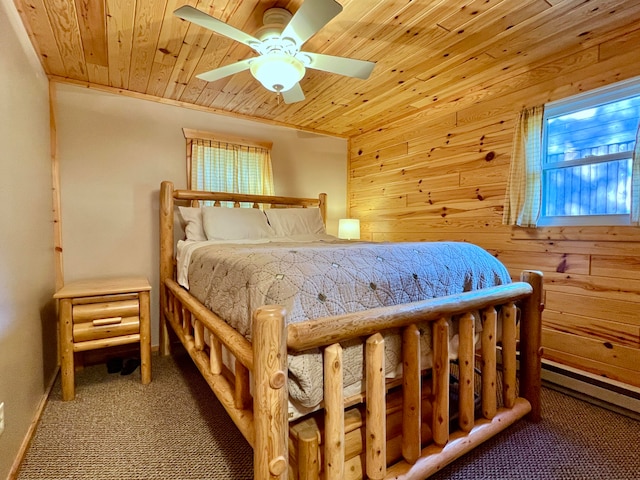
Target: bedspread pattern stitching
315,280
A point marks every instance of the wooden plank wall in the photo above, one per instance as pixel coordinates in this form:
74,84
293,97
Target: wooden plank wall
441,175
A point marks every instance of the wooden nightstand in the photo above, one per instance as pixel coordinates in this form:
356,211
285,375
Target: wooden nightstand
103,313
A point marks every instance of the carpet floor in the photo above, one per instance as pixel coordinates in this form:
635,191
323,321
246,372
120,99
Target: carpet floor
174,428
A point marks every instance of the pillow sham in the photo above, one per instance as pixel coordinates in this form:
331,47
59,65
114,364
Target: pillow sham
295,221
192,223
221,223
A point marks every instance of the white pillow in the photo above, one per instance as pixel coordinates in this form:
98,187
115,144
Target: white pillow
221,223
192,223
295,221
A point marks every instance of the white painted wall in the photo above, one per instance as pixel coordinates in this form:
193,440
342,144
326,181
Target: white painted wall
114,151
27,281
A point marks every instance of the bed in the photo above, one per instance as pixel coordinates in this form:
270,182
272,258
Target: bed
388,382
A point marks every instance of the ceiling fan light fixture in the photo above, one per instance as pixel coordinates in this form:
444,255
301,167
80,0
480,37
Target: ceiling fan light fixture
281,64
277,72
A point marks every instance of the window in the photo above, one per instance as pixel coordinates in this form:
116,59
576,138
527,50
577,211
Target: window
588,144
221,163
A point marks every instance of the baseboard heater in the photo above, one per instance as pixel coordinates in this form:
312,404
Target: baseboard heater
616,396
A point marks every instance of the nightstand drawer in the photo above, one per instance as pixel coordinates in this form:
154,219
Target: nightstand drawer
105,308
105,328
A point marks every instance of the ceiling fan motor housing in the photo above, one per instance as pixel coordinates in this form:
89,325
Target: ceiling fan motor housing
274,22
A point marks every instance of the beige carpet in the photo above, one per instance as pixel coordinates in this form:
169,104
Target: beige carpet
174,428
117,428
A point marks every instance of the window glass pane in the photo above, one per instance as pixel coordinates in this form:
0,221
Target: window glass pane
593,189
600,130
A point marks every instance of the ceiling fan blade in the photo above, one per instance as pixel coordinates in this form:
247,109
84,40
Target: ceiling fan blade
349,67
218,73
198,17
310,17
293,95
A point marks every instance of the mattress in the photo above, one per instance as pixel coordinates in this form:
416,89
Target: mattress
315,279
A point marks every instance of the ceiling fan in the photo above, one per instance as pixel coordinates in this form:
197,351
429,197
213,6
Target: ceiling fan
281,63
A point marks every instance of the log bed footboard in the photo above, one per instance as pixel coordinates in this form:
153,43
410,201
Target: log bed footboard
408,433
394,429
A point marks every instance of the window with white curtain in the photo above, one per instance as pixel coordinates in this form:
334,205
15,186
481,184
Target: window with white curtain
221,163
588,144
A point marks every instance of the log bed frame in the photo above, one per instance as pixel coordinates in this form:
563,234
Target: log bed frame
396,429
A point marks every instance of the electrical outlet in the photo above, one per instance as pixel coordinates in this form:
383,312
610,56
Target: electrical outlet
1,417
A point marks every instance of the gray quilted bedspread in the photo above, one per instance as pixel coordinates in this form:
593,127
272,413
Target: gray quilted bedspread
324,279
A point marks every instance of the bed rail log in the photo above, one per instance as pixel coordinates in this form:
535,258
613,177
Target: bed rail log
328,330
192,195
190,319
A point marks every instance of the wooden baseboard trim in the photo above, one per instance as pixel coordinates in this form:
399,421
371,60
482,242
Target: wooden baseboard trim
15,468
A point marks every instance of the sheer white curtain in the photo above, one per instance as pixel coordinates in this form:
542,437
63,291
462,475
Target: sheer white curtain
226,167
524,187
635,182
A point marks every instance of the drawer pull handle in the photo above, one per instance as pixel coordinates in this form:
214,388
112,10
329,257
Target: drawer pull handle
107,321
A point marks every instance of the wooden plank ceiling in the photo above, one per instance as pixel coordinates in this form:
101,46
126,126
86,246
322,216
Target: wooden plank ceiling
427,52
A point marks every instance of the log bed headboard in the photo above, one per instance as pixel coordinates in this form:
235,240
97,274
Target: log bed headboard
170,198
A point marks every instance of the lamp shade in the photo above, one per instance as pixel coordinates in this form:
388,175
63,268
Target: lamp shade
349,228
277,72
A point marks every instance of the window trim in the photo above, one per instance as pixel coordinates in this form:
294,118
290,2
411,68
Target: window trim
609,93
591,99
191,134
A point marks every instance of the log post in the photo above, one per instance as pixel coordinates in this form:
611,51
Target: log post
334,413
170,301
198,334
466,359
322,205
215,354
508,313
489,326
308,446
145,338
166,258
440,421
376,421
66,350
186,321
411,394
242,392
178,313
270,449
531,343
